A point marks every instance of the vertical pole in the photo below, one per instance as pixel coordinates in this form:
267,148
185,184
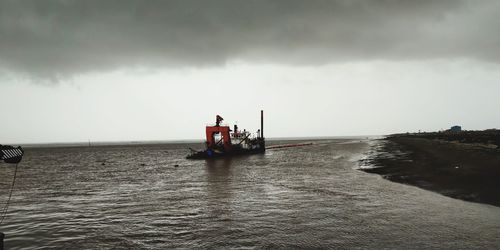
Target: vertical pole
262,124
1,240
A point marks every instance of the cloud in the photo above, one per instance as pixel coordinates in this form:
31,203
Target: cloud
53,39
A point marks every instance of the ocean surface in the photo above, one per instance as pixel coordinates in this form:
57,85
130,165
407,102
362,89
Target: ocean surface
150,197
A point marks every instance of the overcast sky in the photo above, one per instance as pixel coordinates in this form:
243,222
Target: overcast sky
161,70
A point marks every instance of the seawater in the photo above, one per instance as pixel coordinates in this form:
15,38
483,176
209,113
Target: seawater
150,197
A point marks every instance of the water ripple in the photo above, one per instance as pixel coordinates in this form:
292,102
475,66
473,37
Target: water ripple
133,197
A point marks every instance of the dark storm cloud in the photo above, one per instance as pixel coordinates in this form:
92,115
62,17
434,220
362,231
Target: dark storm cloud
61,38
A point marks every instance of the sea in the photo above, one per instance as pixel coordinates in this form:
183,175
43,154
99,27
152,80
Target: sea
148,196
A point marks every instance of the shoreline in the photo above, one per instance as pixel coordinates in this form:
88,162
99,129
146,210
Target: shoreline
466,171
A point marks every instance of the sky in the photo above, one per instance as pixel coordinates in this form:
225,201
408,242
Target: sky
73,71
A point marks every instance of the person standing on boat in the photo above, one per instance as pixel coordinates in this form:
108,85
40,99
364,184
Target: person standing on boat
218,119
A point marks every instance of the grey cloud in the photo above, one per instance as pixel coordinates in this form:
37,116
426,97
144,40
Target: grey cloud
63,38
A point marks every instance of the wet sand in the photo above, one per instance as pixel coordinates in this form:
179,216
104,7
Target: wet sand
464,171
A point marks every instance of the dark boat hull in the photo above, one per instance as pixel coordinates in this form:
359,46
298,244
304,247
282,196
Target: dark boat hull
210,154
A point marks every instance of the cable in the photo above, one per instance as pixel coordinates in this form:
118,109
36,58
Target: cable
4,212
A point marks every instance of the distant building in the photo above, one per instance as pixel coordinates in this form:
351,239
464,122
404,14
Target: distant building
455,129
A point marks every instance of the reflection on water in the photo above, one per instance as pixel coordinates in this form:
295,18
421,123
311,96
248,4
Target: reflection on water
219,168
219,191
134,197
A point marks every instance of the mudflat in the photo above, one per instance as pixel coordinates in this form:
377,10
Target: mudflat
458,169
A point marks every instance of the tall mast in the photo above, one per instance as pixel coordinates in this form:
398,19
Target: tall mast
262,124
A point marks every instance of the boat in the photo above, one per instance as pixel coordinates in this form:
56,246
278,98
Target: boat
222,141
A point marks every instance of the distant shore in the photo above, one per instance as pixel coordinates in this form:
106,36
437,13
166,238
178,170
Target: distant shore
463,165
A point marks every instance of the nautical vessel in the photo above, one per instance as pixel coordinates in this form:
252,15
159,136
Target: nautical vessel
221,141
